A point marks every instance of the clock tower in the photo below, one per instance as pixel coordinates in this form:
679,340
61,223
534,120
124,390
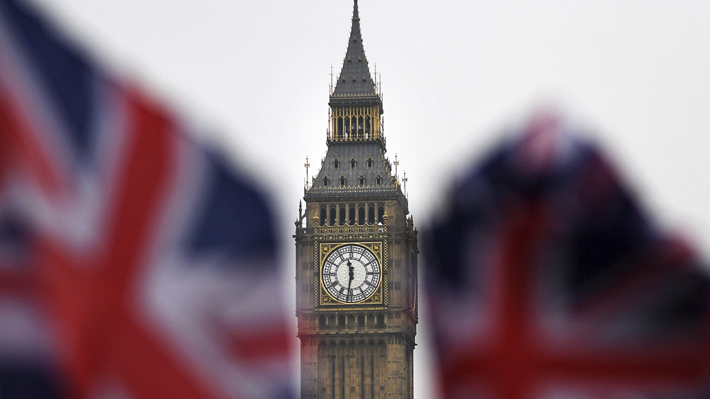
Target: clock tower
356,253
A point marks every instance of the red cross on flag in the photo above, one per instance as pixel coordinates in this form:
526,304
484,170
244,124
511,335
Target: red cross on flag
546,279
134,263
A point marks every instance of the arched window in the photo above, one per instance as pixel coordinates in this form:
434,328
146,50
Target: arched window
347,127
361,181
353,124
321,322
351,215
360,128
340,128
378,180
371,214
367,127
323,216
331,321
326,181
361,215
336,164
380,321
370,320
342,181
332,216
342,215
341,321
380,213
360,321
353,163
351,321
370,162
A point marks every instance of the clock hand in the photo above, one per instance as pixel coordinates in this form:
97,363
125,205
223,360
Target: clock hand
350,281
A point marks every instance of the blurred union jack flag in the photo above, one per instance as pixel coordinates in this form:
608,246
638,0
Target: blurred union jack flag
548,280
133,263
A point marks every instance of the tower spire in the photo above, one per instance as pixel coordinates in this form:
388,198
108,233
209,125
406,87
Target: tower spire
355,78
356,105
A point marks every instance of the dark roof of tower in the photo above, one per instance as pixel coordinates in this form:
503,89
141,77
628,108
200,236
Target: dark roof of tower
344,153
355,79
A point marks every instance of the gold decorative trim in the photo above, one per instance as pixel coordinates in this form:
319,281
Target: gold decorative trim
350,229
316,274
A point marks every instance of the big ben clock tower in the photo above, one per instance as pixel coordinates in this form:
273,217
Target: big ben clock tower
356,253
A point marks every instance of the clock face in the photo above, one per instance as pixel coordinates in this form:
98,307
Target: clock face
351,273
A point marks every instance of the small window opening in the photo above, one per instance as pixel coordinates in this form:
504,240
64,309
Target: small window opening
353,163
342,215
325,182
342,181
332,216
381,214
361,321
370,163
323,216
380,321
353,123
378,180
361,215
336,164
362,181
340,128
367,127
341,321
371,215
359,128
347,127
351,215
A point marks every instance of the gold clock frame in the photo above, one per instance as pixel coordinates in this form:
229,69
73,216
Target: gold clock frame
378,297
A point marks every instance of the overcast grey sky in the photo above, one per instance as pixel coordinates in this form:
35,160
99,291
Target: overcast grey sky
253,77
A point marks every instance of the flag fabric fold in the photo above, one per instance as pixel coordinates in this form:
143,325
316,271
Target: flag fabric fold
133,262
548,279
